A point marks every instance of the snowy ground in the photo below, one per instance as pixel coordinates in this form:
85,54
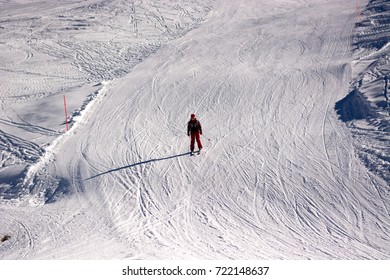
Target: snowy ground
281,176
370,112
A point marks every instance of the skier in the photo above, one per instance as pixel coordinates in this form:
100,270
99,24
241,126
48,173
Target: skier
194,130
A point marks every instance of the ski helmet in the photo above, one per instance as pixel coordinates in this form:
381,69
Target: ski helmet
193,116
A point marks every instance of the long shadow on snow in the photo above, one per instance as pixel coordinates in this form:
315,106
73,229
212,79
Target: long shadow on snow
136,164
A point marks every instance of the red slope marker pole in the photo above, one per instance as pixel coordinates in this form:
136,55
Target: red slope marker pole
358,11
66,114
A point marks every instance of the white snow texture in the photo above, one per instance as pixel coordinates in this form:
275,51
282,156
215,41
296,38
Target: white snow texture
291,97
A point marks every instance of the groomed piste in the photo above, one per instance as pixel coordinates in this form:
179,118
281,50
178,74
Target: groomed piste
281,176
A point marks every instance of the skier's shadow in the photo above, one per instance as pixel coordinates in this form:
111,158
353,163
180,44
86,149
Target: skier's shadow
136,164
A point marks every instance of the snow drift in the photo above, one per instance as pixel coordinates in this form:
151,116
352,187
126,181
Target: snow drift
367,108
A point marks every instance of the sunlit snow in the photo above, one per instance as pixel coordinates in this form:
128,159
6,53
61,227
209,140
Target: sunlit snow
290,94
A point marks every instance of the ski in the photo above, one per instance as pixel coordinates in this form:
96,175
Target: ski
192,153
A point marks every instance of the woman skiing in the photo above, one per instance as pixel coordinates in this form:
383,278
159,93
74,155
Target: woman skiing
194,130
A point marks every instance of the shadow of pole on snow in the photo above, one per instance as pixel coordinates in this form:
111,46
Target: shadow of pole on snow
136,164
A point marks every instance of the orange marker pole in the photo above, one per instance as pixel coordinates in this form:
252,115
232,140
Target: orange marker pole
357,8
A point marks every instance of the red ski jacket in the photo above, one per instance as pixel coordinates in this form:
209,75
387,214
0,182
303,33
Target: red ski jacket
194,126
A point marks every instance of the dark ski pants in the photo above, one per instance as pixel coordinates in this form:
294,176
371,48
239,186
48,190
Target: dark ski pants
195,136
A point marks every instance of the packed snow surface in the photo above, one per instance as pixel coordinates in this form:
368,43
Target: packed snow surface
279,177
371,82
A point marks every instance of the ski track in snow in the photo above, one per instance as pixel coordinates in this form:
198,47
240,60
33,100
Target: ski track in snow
278,178
70,49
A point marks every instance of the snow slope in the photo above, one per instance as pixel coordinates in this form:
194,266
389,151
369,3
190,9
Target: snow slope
53,48
371,126
279,178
